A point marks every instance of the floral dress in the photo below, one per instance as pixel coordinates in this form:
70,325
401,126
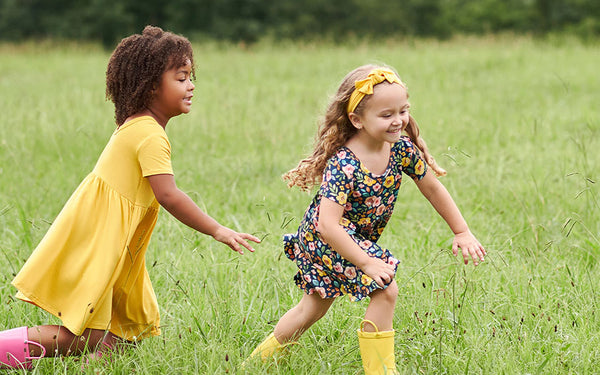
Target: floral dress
368,202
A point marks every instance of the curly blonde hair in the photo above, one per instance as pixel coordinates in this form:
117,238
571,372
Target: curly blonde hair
336,129
137,64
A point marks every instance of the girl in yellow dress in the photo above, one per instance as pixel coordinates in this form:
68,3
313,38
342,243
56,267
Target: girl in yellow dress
89,269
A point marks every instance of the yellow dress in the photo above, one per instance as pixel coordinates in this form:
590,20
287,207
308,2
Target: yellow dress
89,270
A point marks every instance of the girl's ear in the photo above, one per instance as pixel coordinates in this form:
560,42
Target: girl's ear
355,120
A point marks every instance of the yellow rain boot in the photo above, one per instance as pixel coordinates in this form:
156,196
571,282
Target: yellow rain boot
268,348
377,350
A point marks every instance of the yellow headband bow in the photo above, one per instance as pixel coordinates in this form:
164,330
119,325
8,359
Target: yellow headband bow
365,86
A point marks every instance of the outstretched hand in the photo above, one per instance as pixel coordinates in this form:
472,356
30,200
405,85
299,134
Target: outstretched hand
469,246
378,270
234,239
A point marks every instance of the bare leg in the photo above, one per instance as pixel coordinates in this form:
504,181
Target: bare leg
298,319
59,341
381,308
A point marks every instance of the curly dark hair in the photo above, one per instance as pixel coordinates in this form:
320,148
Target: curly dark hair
137,64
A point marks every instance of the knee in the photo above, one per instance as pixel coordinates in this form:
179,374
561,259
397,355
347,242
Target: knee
390,294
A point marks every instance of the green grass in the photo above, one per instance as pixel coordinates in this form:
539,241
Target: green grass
514,121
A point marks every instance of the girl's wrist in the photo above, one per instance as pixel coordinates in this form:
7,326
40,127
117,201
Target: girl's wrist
464,231
214,232
363,261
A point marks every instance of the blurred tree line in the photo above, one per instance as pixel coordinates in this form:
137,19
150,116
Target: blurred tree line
249,20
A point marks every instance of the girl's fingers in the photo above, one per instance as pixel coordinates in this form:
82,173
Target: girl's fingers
480,253
475,253
385,278
465,254
250,237
473,250
240,239
391,273
246,245
235,247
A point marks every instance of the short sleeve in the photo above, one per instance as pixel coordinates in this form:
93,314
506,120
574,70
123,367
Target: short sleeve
409,157
338,178
154,155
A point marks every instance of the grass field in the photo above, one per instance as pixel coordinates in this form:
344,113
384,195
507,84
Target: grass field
514,121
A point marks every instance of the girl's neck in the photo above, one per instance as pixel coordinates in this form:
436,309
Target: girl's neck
374,156
367,144
148,112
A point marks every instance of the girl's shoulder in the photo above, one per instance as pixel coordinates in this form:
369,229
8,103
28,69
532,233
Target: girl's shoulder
404,145
344,155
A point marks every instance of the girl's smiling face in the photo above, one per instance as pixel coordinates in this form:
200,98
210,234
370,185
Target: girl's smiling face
384,116
174,94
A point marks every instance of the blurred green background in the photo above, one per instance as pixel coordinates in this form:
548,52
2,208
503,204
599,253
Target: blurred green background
338,20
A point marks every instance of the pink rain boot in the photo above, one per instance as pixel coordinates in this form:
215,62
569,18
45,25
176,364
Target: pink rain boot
14,349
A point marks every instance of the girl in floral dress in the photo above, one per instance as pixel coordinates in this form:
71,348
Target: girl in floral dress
365,143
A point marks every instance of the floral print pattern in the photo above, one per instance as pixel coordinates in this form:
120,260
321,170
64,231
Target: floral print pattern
368,202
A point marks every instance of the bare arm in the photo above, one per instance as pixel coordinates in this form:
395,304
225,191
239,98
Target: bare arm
334,234
440,199
183,208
